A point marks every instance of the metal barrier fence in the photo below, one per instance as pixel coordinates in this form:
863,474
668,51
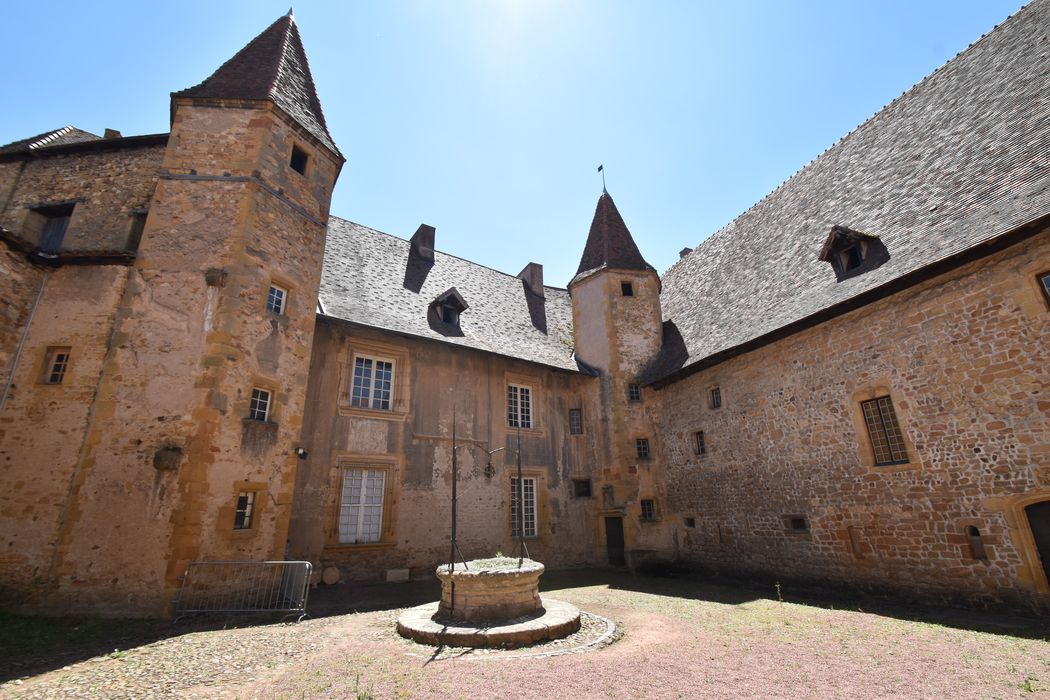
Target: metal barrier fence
243,587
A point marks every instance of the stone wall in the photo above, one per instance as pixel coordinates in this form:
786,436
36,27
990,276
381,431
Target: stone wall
412,444
108,187
965,360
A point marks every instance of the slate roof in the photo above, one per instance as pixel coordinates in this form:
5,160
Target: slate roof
55,137
961,158
273,67
371,278
609,243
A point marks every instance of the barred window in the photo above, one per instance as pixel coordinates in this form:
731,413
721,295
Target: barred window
275,299
259,407
887,442
373,382
634,392
242,517
519,406
648,509
642,446
575,421
529,502
361,506
699,443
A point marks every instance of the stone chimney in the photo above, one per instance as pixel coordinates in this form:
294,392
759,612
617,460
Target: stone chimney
111,134
423,242
684,252
532,275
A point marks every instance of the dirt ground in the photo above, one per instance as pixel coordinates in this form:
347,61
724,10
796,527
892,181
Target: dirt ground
674,638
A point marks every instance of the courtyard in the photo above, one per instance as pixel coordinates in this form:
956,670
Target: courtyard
643,636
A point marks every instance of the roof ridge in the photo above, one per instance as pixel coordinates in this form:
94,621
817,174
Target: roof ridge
854,130
447,255
272,91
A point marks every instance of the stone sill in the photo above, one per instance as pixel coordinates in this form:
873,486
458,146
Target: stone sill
372,413
362,547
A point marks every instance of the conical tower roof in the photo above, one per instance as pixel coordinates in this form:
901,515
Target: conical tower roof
609,243
271,67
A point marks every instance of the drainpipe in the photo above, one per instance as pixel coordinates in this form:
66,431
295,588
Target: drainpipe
22,341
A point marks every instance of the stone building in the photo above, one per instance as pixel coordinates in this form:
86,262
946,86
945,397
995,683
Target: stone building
846,383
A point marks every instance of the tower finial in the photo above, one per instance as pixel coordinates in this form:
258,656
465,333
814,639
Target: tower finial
601,169
290,13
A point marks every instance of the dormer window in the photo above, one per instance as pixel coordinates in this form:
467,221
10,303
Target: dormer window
449,305
852,252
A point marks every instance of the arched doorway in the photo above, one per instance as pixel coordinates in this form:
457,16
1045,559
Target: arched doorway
1038,515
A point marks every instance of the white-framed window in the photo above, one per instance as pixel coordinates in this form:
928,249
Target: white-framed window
529,484
259,407
242,517
276,299
373,382
361,505
519,406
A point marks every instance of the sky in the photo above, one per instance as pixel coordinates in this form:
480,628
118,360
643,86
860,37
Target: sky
488,118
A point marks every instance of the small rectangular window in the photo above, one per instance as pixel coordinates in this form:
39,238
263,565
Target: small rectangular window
796,523
529,507
275,299
698,442
519,406
581,488
690,522
634,392
648,509
56,221
716,398
259,407
627,289
887,441
56,362
373,383
642,445
575,421
1044,283
242,518
299,160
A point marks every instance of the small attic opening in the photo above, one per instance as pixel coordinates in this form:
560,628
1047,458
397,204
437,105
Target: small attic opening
449,305
299,160
852,252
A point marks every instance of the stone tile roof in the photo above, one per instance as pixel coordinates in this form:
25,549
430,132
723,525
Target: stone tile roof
373,278
609,243
961,158
273,67
55,137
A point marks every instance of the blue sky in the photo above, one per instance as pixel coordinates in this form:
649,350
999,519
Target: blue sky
488,118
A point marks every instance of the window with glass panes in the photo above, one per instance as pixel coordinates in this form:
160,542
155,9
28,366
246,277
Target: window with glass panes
55,365
361,505
242,517
259,407
519,406
373,383
529,502
275,299
887,441
575,421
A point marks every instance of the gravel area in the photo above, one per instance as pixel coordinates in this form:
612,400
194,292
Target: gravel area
671,639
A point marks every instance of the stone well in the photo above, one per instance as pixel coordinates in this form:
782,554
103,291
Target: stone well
496,603
490,592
